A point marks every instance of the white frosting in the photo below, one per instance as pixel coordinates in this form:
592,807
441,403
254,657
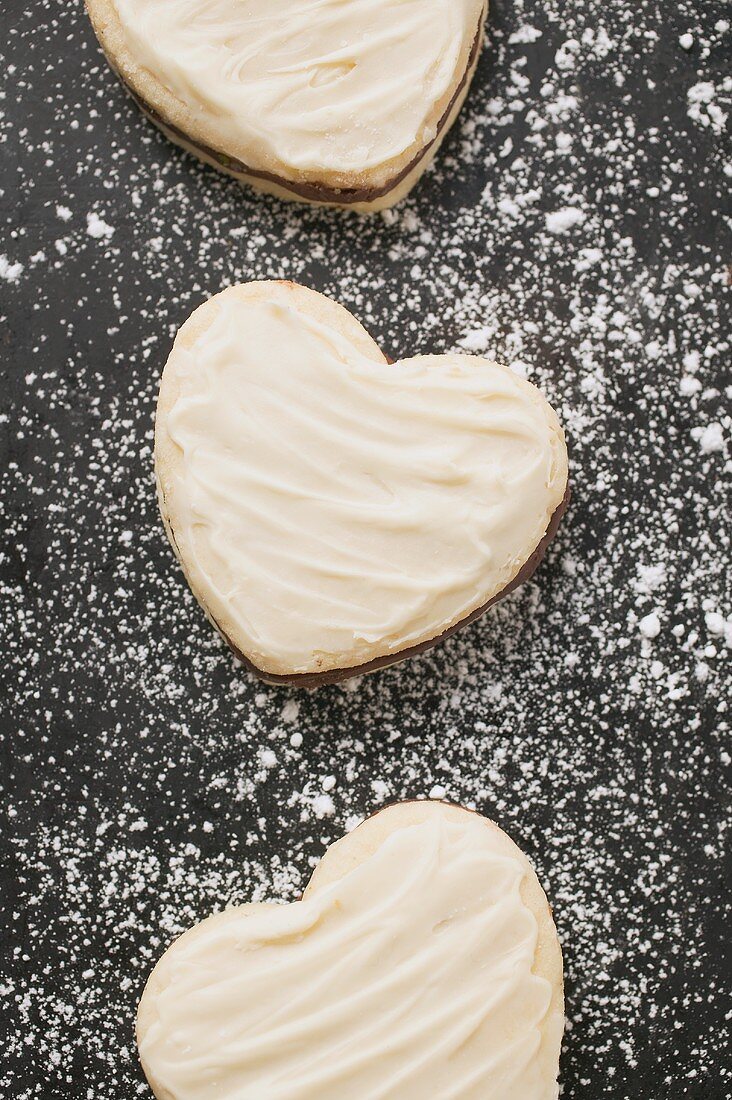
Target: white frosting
411,977
313,86
330,507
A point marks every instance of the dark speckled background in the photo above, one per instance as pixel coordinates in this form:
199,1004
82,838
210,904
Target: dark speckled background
146,780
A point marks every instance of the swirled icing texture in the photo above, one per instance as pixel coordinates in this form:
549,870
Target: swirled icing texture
410,977
315,86
333,507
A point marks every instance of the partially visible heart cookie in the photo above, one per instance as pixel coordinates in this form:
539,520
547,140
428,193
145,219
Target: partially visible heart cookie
342,102
334,512
422,962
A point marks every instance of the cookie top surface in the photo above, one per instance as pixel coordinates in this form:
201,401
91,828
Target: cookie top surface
330,507
333,90
423,963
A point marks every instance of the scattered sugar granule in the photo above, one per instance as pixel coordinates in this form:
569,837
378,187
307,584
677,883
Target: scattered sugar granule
561,221
650,577
703,107
710,438
525,35
323,806
689,385
477,340
720,627
10,271
650,625
290,711
96,227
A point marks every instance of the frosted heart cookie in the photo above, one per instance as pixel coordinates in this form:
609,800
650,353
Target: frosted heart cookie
334,512
422,962
343,102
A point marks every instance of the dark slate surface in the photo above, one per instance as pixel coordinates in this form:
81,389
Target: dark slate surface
573,226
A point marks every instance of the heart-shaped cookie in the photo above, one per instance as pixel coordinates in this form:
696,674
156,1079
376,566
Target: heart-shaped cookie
422,962
341,102
334,512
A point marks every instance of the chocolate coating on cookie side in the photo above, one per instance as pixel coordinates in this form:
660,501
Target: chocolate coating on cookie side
312,192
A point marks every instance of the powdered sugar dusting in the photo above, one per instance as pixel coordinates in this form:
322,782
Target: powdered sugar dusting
9,270
573,227
96,227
